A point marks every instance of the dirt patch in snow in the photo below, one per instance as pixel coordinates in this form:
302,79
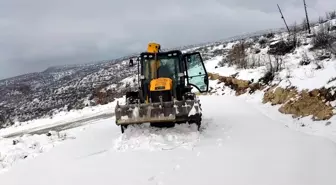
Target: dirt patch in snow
240,86
314,103
277,95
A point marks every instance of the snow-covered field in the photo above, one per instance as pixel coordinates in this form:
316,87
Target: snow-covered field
238,144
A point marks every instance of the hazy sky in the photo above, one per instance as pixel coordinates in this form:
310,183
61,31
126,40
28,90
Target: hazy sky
36,34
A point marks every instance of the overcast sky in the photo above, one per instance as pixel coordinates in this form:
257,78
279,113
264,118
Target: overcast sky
37,34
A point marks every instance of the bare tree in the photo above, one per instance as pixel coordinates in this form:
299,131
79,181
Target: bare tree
275,65
237,55
323,38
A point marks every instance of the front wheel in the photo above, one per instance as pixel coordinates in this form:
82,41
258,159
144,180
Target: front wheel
198,125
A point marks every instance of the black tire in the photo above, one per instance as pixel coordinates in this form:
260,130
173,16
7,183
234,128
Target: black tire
163,124
196,119
123,128
198,125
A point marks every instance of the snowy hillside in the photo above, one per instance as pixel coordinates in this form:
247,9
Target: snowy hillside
296,70
57,89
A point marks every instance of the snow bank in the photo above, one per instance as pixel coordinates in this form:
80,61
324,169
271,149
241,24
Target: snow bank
326,128
26,147
62,117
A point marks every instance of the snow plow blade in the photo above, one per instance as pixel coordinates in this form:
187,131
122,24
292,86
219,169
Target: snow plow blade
174,111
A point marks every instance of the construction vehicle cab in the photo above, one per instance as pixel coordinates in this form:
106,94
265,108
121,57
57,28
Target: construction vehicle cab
165,94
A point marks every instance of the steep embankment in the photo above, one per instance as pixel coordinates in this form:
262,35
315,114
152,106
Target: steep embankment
318,103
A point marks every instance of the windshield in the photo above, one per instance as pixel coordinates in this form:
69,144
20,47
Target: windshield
165,66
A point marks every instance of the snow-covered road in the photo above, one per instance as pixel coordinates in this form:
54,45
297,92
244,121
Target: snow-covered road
58,126
237,145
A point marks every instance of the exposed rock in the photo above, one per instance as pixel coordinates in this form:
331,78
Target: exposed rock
279,95
255,86
240,86
240,83
308,105
281,48
213,76
302,104
267,78
299,104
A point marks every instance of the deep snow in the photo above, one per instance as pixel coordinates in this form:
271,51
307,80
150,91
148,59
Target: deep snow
238,144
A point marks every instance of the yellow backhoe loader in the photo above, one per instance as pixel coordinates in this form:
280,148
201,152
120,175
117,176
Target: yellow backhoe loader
165,96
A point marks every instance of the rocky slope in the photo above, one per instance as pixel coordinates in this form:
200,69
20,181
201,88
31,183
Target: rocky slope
296,71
